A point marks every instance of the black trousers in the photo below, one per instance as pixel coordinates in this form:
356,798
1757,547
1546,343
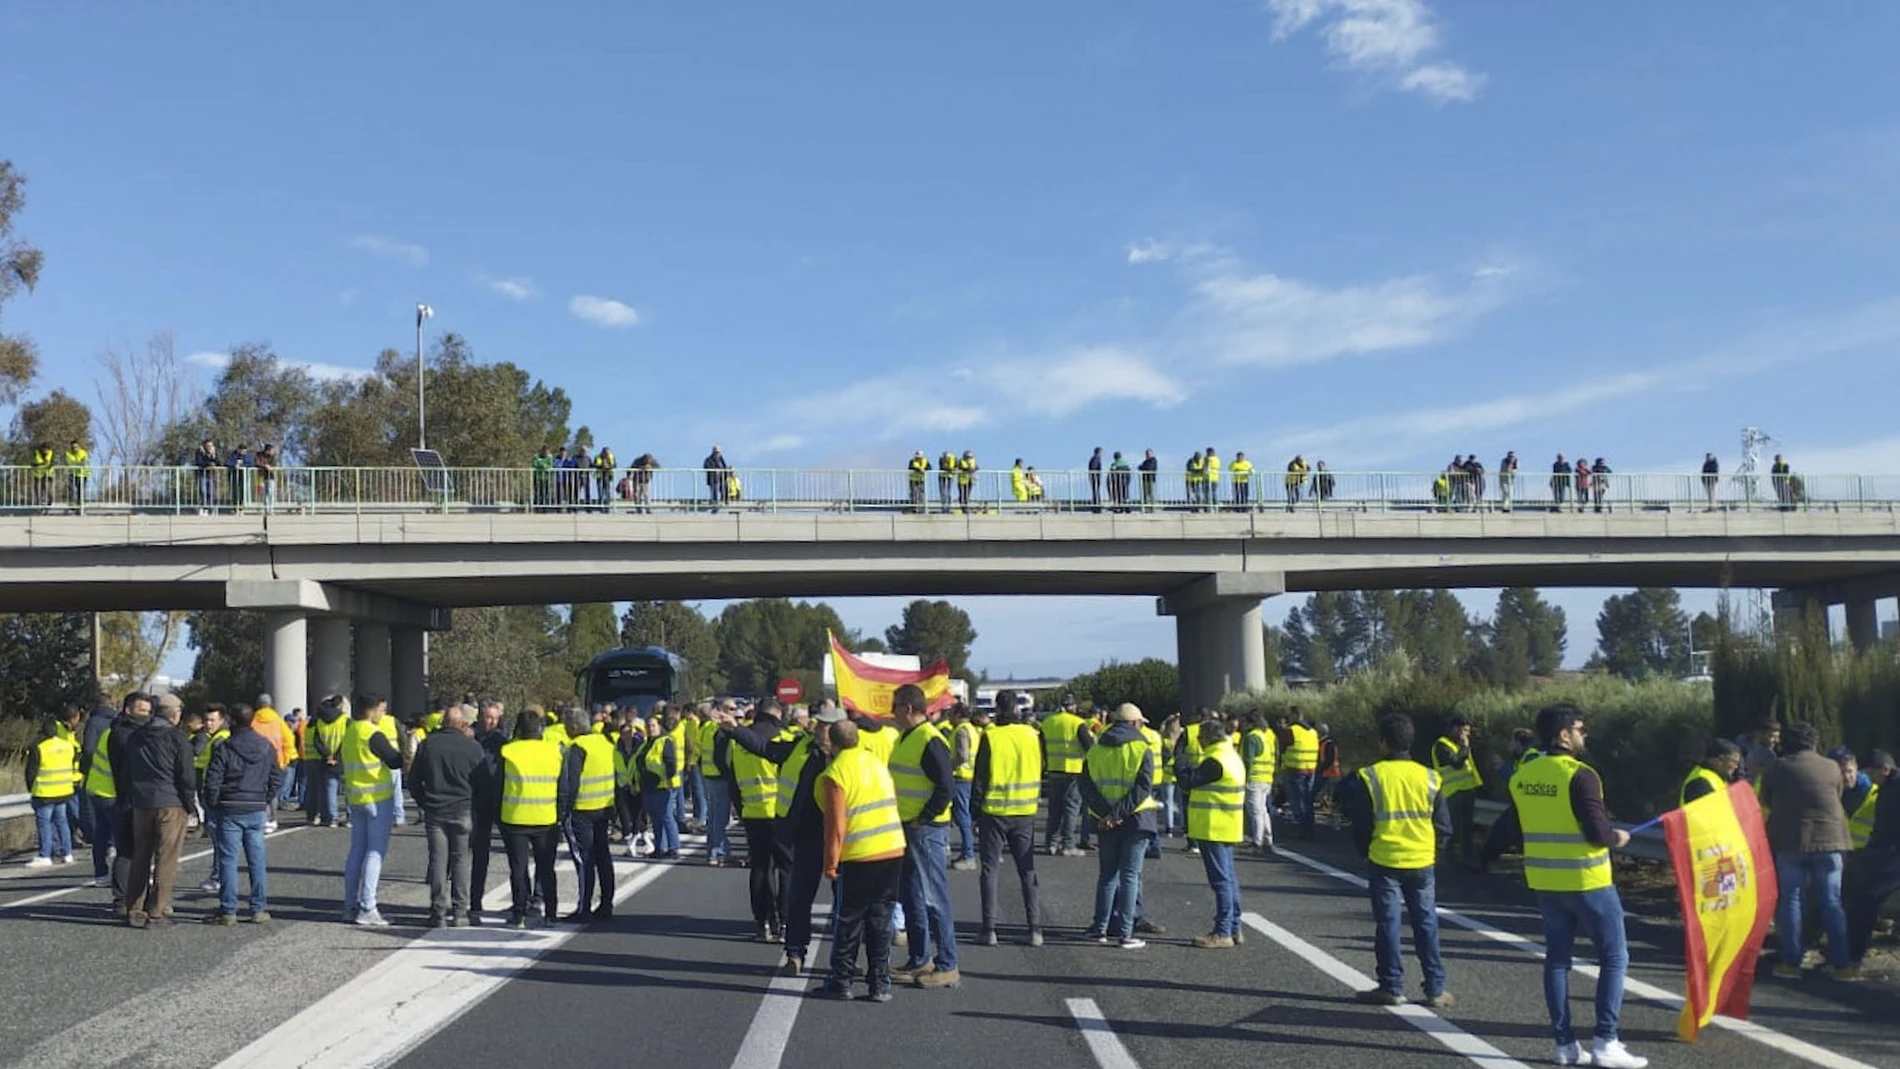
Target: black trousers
867,892
1019,835
801,886
481,840
531,844
768,864
593,862
1872,875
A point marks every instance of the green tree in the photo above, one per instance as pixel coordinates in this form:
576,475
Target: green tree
1151,683
512,653
1318,641
230,663
256,398
1643,633
933,631
19,270
767,639
1526,637
45,662
133,647
590,629
54,420
683,629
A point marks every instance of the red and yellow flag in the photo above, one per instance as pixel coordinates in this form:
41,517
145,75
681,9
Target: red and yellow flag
866,689
1725,879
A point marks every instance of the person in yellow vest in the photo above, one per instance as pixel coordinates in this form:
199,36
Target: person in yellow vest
1118,781
323,767
966,479
370,761
926,782
717,784
946,478
967,730
78,472
864,853
1242,469
1876,869
1260,750
1296,470
684,800
1216,822
1720,763
1210,476
1860,801
768,847
587,777
1398,812
531,810
1066,739
1558,818
102,793
216,730
43,474
919,473
49,780
1459,778
1301,762
1195,478
876,736
1018,486
78,807
1004,791
660,763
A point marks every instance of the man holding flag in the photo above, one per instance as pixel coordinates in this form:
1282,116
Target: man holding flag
1557,815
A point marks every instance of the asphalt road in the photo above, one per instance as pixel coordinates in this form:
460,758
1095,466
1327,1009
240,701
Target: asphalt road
676,980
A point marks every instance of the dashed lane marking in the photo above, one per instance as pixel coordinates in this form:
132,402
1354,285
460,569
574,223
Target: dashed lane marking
1102,1040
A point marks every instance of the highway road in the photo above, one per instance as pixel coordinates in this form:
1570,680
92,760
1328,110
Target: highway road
676,980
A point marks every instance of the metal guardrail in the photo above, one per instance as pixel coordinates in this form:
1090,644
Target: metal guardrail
182,490
13,806
1647,845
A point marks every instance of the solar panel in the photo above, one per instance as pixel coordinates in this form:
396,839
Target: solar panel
435,474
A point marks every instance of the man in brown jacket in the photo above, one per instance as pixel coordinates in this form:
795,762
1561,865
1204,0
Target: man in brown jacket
1807,830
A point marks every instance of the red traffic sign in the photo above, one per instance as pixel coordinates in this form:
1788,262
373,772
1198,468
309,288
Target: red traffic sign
790,690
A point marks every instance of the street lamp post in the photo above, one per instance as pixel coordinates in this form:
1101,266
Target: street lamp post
423,314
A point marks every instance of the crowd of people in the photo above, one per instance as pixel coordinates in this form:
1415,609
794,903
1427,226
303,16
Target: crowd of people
887,807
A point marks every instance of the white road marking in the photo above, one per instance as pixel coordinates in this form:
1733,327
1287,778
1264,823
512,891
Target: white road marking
416,990
1767,1037
45,896
771,1029
1102,1040
1452,1037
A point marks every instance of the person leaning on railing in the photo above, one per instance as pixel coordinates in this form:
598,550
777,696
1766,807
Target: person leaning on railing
78,471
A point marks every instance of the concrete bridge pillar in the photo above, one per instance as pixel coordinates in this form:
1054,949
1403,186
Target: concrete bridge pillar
1219,642
330,658
408,690
372,657
285,674
1863,626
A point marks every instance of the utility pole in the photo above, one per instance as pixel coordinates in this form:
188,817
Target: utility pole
423,314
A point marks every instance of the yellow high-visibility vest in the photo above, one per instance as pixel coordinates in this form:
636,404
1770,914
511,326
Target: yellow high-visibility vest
77,461
596,790
203,760
1457,780
871,826
655,761
1164,768
366,780
530,782
880,742
708,734
1243,472
760,797
1114,770
1557,857
53,780
907,774
99,781
1261,767
1708,776
1215,810
1404,794
1861,825
1302,751
1060,733
788,774
966,770
1015,771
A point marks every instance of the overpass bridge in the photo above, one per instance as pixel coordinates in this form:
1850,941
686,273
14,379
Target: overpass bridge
352,566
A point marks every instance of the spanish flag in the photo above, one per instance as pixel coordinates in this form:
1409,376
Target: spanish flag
866,689
1725,879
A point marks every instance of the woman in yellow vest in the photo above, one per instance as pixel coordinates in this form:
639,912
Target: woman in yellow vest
49,779
1118,779
864,853
588,778
530,812
1398,812
1216,823
716,786
660,763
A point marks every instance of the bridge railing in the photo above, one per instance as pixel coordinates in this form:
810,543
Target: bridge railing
222,491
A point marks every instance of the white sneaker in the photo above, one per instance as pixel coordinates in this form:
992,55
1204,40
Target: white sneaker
40,863
210,886
1571,1053
65,859
1132,943
1612,1054
371,919
270,827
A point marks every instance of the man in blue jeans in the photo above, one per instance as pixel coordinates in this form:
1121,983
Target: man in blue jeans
925,779
1398,815
1807,831
1557,815
239,784
1117,784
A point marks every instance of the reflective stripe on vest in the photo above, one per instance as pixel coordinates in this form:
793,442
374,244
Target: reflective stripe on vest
758,783
596,791
530,782
788,774
1215,810
1015,772
1714,781
967,769
1065,749
871,827
54,778
1404,794
1557,857
655,761
99,781
1302,752
907,774
1457,780
1861,825
1114,770
1164,768
708,734
1260,768
366,780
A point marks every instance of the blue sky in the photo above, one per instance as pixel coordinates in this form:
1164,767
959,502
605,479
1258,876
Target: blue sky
1373,231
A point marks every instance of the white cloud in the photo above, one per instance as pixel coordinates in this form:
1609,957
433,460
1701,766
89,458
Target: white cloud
1147,250
892,406
603,312
390,249
1151,251
515,289
1086,376
782,443
1392,38
218,361
1274,321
